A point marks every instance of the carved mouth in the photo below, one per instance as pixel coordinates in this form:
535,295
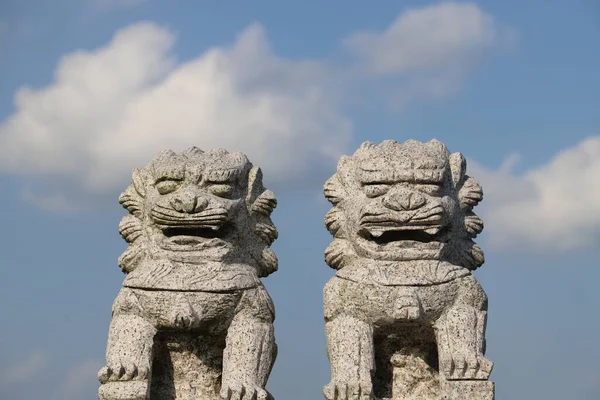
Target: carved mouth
190,235
385,236
400,236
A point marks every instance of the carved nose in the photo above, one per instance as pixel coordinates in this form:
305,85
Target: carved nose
404,200
187,202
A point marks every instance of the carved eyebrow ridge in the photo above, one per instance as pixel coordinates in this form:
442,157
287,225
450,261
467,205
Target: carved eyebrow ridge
163,178
223,175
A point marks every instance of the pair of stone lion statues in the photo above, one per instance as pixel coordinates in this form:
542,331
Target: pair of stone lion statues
404,316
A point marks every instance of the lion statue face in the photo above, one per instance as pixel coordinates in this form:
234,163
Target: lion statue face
197,206
403,201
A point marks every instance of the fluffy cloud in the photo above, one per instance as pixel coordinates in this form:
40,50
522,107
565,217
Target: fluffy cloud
554,207
113,108
434,46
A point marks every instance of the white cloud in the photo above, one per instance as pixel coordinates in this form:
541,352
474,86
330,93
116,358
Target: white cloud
426,38
554,207
434,46
114,108
26,370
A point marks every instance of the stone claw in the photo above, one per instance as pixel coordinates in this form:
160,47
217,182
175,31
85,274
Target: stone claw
103,375
471,368
119,372
238,391
350,391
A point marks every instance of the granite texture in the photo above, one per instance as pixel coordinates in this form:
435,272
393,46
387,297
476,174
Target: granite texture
404,316
193,321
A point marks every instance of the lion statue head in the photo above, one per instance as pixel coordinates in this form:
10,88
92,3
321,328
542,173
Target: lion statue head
196,206
401,202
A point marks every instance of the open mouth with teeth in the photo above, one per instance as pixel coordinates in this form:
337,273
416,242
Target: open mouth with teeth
194,234
400,236
416,235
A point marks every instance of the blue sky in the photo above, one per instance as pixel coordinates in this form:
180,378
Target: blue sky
90,89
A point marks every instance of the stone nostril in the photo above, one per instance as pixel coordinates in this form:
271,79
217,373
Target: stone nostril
415,201
185,203
177,204
404,201
191,204
201,204
396,201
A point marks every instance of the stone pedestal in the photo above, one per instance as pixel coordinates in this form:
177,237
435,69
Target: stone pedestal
132,390
467,390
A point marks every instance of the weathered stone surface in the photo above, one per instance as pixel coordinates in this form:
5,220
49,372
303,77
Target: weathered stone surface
468,390
193,320
404,316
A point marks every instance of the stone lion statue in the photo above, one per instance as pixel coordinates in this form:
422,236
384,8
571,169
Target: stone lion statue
405,318
193,320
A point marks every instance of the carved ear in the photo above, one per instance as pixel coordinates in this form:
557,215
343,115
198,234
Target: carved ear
458,167
140,179
255,185
259,199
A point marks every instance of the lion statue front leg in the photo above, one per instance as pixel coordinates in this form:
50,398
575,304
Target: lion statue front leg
250,348
247,359
460,335
128,352
244,319
350,351
350,346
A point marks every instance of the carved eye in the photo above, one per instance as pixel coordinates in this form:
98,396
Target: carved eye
374,190
221,190
431,189
167,186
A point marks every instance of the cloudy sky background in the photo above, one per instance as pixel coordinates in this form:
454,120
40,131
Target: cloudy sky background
90,89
